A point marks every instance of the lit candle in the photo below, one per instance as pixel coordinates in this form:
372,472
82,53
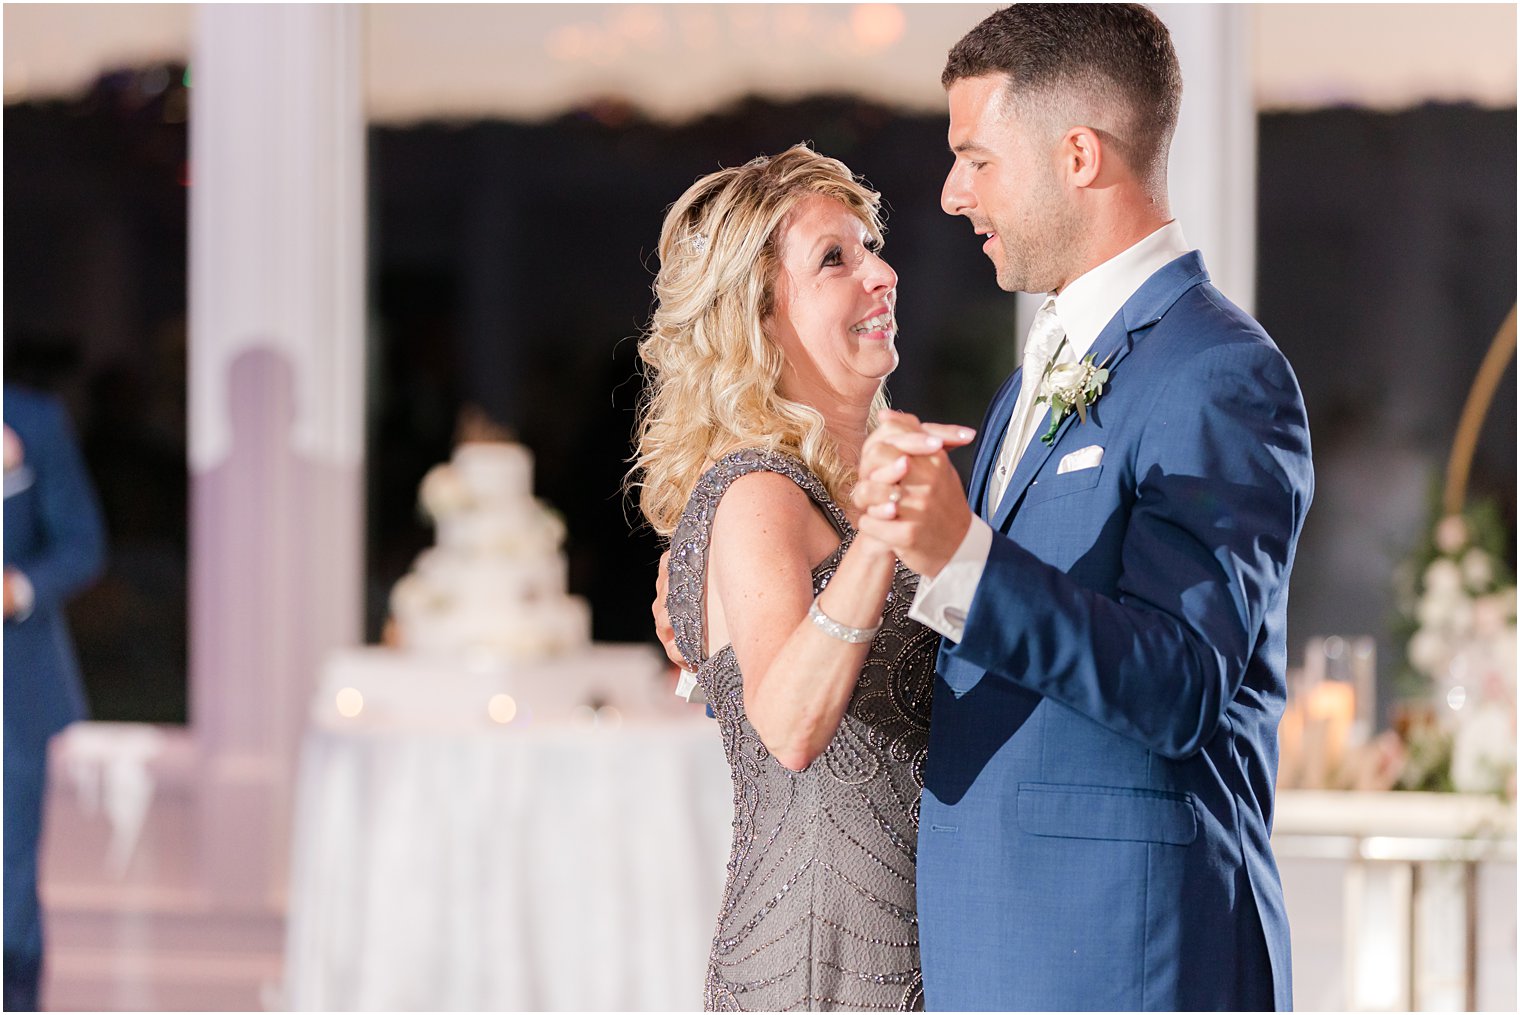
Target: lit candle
1332,705
350,702
1290,746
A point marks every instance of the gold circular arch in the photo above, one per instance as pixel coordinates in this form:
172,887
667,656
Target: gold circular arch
1500,352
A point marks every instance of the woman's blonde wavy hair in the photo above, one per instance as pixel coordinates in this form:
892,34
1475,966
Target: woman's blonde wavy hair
712,374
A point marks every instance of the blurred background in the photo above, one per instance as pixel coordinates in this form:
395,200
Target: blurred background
271,257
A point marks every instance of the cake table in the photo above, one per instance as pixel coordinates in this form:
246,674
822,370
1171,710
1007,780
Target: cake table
563,853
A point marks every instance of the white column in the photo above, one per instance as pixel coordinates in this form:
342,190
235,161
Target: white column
276,406
1213,166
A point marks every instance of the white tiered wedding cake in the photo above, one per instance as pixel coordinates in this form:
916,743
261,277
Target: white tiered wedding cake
482,632
494,583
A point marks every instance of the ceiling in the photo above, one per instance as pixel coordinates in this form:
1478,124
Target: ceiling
527,61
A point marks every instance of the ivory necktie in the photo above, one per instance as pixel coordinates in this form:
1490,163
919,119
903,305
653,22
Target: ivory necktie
1045,335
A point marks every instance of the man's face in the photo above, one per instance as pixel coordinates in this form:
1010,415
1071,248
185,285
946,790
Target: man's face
1006,181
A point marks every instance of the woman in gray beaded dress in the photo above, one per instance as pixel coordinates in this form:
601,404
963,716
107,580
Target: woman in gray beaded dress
766,357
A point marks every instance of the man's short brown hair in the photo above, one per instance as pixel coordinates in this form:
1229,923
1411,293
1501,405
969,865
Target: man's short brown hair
1111,53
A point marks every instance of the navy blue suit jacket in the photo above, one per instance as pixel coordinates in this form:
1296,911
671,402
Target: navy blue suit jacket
55,536
1099,785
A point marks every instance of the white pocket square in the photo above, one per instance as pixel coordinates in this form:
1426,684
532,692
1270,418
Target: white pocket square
1086,458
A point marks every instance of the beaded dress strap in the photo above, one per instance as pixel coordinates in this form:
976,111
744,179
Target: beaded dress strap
686,598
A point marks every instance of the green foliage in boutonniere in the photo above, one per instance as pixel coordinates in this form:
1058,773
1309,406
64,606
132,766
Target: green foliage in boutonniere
1071,386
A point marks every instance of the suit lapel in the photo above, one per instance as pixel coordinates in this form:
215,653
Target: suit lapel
994,432
1144,309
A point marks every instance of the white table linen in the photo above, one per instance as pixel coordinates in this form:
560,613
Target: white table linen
550,865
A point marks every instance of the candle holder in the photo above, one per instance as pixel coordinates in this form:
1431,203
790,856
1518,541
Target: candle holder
1331,712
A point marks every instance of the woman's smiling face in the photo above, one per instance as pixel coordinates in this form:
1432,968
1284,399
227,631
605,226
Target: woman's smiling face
834,305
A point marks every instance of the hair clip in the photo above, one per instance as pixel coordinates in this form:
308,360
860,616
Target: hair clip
699,242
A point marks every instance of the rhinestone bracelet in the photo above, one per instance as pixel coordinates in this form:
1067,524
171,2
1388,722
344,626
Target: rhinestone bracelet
834,629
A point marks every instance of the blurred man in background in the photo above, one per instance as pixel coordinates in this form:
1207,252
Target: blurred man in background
54,547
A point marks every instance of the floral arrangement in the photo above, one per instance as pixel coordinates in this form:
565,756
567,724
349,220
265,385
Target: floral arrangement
1457,617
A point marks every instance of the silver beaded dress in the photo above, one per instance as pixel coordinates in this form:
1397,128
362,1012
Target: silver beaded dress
818,910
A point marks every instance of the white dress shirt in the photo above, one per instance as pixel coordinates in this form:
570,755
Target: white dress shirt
1084,308
1044,349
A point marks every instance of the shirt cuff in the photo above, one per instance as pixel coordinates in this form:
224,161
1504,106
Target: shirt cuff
943,601
23,593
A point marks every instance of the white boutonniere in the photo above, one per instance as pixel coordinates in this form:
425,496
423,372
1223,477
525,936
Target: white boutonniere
1070,386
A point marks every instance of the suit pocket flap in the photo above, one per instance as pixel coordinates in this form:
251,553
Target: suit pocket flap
1107,812
1051,486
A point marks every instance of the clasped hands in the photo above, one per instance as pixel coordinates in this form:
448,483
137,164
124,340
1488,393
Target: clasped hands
909,494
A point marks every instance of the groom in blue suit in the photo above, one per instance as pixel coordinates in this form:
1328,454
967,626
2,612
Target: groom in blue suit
1099,787
54,547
